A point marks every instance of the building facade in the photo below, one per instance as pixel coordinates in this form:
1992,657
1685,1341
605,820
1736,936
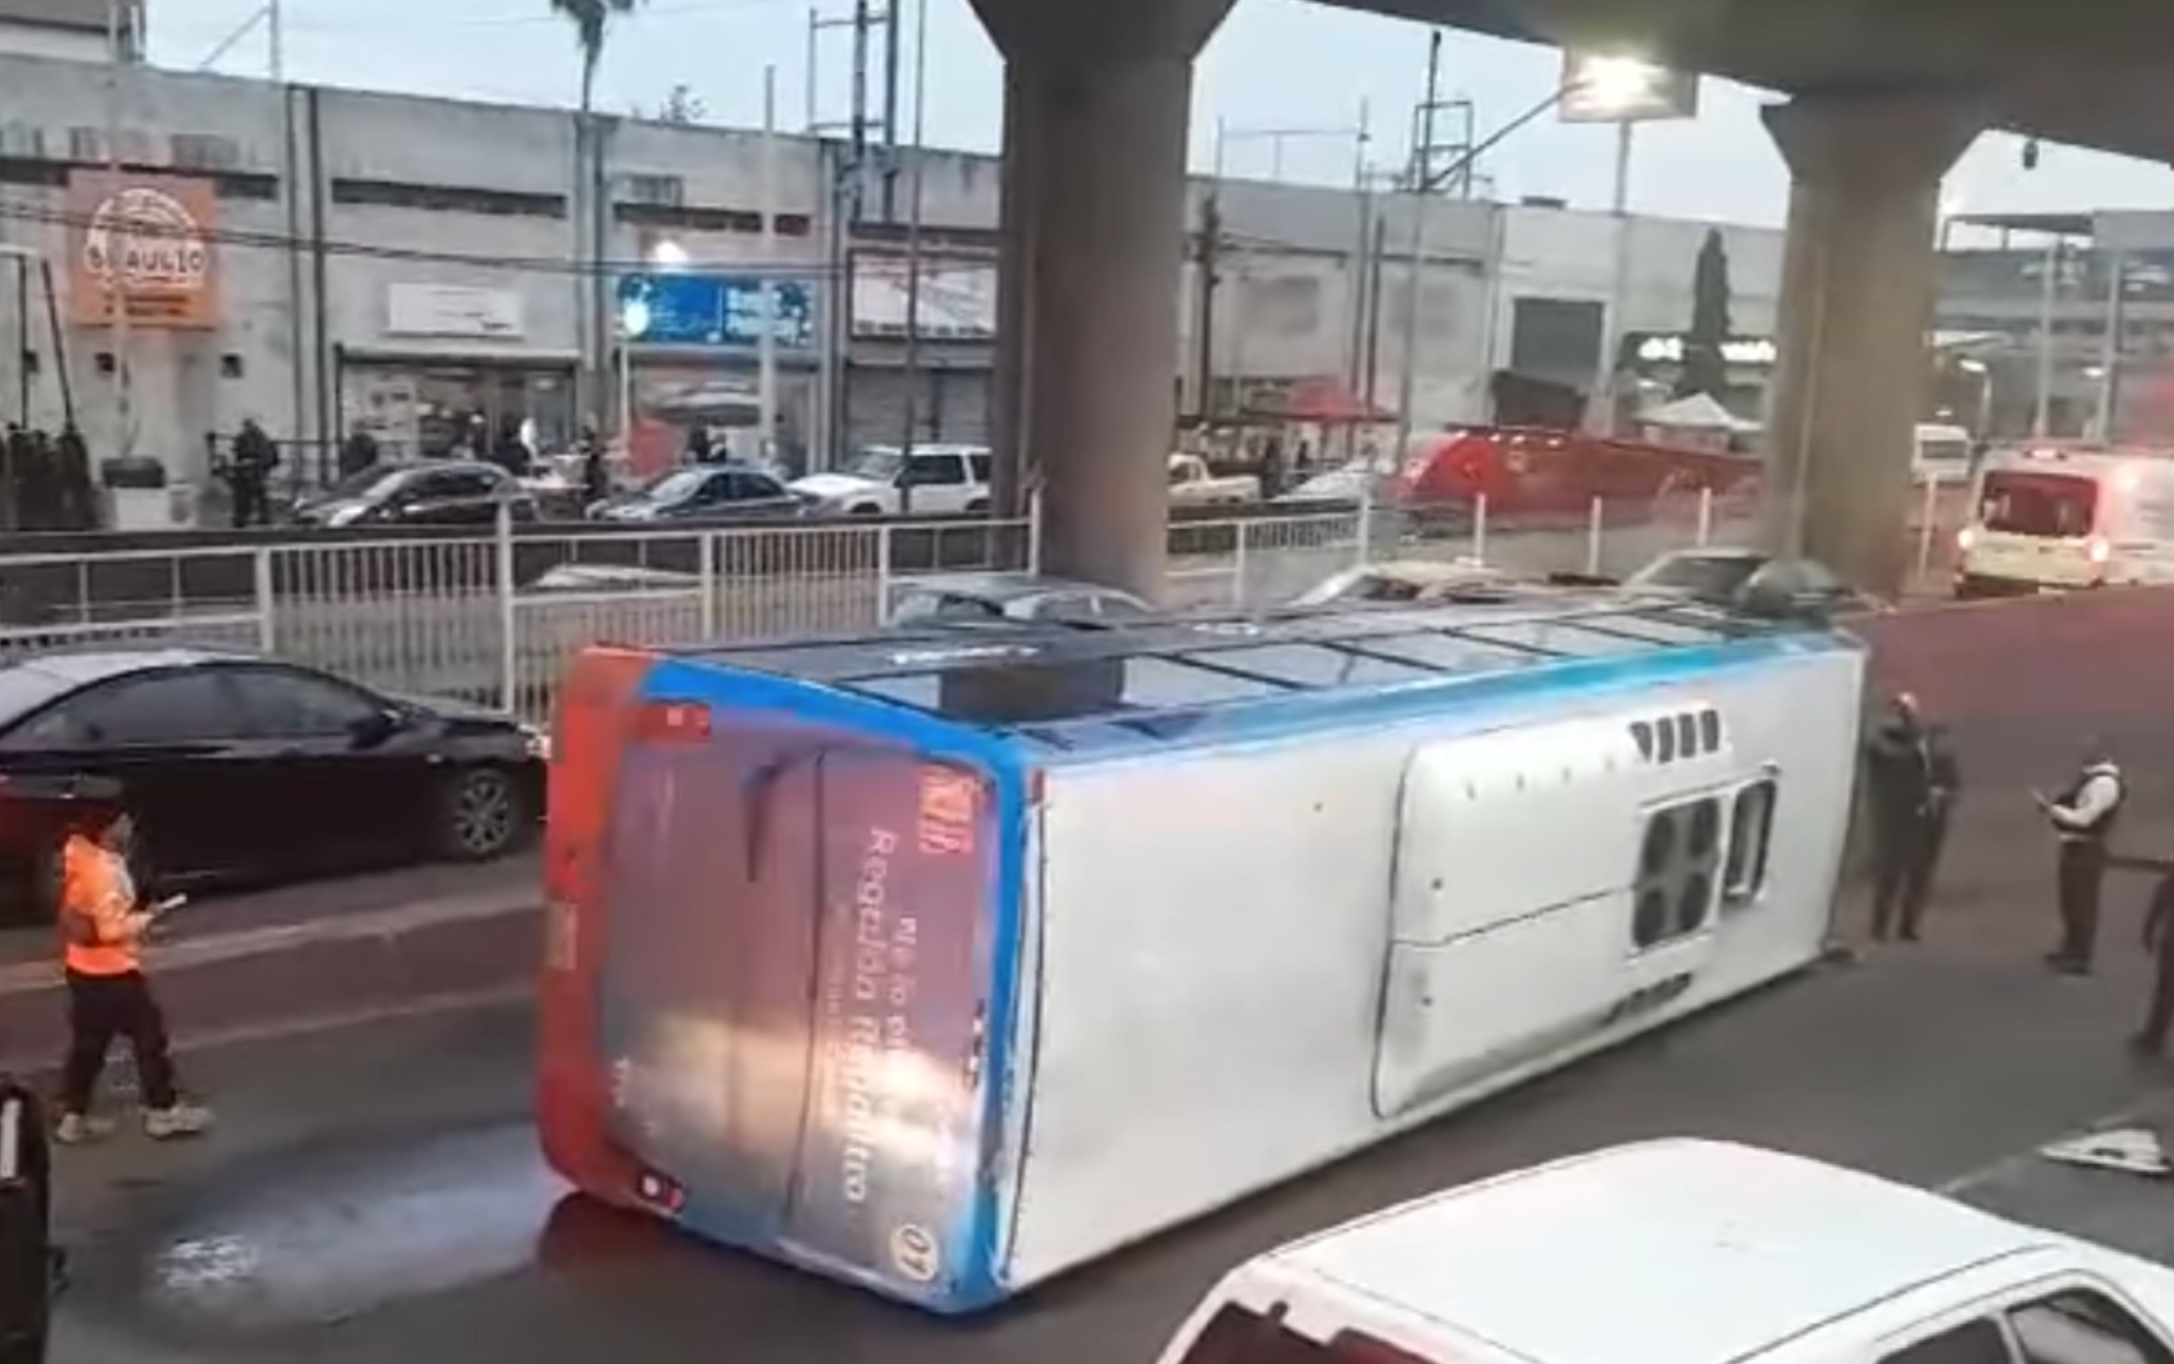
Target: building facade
439,273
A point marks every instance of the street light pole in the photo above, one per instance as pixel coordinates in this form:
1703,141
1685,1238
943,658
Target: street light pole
2048,297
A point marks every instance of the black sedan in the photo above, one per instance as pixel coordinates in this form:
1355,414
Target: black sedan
425,492
236,766
703,491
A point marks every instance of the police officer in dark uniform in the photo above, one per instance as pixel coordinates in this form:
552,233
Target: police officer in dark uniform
2083,818
2150,1041
255,456
1943,789
1898,783
29,1266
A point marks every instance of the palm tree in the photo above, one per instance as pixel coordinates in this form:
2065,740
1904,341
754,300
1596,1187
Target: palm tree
590,19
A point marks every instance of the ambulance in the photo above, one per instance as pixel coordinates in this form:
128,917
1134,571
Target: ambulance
2057,518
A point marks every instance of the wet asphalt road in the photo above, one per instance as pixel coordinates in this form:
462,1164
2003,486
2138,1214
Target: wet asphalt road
374,1194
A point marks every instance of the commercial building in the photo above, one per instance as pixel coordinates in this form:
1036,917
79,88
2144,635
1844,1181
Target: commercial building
435,271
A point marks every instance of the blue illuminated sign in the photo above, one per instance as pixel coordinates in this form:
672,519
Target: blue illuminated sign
714,310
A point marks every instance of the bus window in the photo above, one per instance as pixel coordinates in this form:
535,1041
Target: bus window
1676,864
1751,834
2047,506
1237,1336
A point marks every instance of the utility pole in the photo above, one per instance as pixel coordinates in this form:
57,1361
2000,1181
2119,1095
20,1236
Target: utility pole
847,203
119,240
1422,196
913,232
1207,256
766,382
890,111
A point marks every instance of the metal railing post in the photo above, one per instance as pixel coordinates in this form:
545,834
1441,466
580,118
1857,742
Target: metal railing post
1239,571
1930,515
883,573
267,628
509,644
1705,517
1366,518
1594,531
707,551
1479,529
1034,533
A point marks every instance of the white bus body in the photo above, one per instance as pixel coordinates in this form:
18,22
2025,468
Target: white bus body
1240,898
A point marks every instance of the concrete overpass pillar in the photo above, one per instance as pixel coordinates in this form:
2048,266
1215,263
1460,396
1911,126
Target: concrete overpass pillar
1098,94
1858,282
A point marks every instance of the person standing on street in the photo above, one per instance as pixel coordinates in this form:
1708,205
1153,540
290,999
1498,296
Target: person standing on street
103,925
1898,783
1943,788
2083,819
254,459
2150,1041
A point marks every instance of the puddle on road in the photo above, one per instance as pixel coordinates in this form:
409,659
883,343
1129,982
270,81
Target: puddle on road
331,1234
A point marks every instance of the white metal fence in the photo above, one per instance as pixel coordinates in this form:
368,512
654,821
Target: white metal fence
494,618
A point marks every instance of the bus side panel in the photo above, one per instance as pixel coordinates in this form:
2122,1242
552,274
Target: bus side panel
1215,925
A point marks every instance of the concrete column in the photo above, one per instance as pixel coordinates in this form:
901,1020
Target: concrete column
1007,415
1858,282
1098,97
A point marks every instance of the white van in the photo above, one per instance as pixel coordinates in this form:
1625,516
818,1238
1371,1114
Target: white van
2054,518
1943,454
1690,1252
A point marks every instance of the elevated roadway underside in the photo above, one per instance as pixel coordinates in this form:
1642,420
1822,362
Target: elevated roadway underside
2092,72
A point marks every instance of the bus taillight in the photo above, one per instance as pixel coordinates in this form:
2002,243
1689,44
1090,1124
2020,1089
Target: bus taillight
1965,538
668,722
2101,549
660,1193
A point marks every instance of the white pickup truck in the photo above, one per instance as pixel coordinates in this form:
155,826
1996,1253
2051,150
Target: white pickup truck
1686,1252
1192,485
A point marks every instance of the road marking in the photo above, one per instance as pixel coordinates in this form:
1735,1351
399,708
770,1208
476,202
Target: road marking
2130,1115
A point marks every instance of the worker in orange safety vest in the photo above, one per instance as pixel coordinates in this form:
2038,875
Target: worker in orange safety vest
102,927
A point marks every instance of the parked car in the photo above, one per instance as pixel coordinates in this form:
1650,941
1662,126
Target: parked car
1690,1251
1751,581
1344,484
1412,581
938,480
1192,484
703,491
429,492
991,598
238,766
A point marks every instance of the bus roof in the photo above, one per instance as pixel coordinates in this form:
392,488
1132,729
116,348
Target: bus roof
1166,681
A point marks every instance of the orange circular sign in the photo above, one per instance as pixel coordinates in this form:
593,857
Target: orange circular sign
150,239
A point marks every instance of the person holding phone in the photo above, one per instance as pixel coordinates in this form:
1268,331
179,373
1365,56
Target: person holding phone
103,924
2083,819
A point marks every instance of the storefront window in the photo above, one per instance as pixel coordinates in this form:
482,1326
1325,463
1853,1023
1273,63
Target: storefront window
438,410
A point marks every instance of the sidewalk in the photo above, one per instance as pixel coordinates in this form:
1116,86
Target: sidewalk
305,955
